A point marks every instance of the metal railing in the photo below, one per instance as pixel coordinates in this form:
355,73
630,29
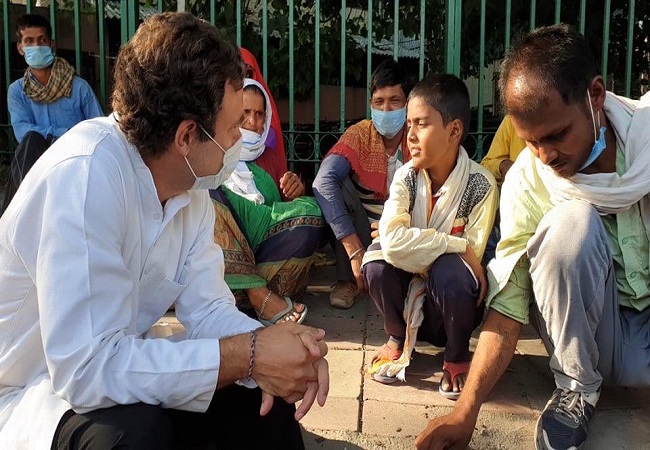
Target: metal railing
303,45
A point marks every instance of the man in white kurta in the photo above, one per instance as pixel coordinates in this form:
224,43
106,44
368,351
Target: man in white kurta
102,238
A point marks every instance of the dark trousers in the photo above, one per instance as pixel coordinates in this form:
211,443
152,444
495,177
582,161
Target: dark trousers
450,312
361,226
493,240
28,151
32,146
232,421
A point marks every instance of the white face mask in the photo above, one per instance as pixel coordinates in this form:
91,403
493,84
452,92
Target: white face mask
253,144
230,160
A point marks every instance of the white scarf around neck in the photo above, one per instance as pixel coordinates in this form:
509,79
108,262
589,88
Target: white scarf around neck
611,193
449,197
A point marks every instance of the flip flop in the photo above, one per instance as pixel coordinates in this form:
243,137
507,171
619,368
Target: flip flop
392,356
383,379
455,370
283,316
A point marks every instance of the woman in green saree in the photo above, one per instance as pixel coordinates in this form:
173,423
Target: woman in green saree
268,235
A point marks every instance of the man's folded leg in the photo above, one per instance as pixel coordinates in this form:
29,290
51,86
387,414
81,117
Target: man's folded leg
232,421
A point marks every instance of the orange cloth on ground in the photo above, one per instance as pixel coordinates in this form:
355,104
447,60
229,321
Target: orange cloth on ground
364,149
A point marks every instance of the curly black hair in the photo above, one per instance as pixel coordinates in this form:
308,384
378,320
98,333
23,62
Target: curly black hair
174,68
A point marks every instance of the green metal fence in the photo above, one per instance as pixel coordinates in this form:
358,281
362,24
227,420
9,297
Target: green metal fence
304,45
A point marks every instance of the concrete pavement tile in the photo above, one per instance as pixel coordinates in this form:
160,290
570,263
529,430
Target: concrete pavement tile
345,373
371,309
337,414
540,365
419,388
319,304
521,390
345,329
503,431
168,325
375,334
532,347
426,361
386,418
623,398
322,275
623,428
352,440
340,333
492,430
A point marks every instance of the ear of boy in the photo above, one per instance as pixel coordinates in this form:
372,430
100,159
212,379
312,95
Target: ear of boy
456,131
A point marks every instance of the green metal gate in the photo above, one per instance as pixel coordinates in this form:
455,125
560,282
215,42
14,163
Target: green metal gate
309,49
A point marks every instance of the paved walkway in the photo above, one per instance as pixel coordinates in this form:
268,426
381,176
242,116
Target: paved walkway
363,414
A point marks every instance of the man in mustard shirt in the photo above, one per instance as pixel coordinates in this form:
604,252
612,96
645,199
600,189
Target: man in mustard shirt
573,256
504,149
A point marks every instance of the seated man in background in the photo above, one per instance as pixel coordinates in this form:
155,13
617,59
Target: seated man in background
424,272
114,224
48,100
353,180
505,148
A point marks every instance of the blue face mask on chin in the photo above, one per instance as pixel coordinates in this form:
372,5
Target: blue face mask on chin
596,150
388,123
599,142
38,56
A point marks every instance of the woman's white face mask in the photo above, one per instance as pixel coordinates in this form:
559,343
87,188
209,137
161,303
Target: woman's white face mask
253,143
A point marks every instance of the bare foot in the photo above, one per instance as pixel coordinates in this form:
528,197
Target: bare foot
458,383
389,351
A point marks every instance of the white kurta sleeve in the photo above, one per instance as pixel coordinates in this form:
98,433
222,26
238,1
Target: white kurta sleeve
88,297
206,306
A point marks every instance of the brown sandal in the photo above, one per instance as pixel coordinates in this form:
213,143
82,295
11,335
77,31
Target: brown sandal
454,370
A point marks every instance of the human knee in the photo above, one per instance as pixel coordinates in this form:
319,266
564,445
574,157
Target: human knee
33,135
569,233
139,426
571,219
375,271
450,280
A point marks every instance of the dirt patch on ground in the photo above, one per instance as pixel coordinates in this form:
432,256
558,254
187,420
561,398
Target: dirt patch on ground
493,431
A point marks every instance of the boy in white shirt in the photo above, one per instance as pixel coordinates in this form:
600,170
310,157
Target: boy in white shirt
432,235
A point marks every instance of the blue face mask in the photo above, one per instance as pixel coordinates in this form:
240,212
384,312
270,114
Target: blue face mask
599,142
596,150
38,56
388,123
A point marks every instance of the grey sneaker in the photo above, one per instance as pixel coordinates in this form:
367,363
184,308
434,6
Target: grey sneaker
564,423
